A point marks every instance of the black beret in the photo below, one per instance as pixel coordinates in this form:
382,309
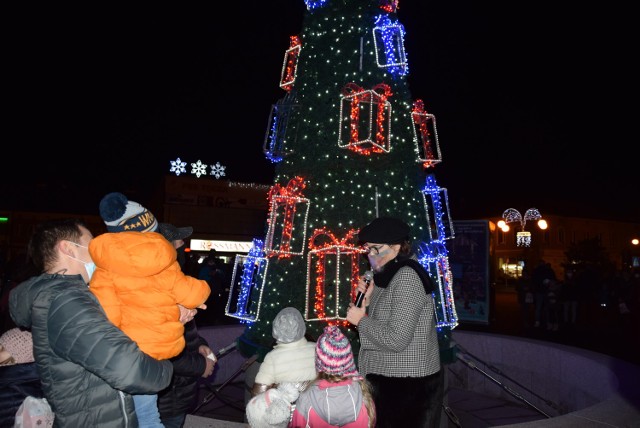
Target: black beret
385,230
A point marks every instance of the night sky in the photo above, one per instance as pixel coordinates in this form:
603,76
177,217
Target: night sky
532,101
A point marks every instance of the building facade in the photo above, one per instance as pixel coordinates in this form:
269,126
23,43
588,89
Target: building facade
228,215
552,243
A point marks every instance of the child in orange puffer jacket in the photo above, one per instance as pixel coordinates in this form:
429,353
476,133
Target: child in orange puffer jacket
139,283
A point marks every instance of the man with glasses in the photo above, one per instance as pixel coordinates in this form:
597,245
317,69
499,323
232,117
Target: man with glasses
399,353
88,366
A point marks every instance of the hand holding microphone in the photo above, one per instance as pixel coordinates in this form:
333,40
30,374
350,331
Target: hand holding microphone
367,277
355,312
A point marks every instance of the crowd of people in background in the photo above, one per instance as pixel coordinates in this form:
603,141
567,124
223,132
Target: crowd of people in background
579,297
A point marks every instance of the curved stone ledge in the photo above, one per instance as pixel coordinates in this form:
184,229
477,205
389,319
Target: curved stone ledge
576,387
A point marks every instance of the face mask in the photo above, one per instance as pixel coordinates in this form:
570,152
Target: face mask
90,267
375,260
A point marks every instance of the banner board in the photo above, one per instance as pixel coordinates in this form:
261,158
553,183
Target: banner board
469,262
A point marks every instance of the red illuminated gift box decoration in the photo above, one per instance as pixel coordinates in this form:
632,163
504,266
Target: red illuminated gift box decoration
389,5
290,64
333,267
365,119
288,214
425,135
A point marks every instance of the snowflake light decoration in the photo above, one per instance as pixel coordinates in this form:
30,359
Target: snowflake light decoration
199,168
217,170
178,166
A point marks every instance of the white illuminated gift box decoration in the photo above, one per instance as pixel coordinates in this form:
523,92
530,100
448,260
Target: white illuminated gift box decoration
365,119
288,216
425,135
290,64
333,267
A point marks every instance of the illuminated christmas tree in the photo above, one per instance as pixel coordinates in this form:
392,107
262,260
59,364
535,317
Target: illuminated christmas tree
350,144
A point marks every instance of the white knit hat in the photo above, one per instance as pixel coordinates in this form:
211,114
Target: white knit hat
272,408
288,326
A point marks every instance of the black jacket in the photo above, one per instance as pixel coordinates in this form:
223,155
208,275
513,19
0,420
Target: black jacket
181,395
17,382
87,366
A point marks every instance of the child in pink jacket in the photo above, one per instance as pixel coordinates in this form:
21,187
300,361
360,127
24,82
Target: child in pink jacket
340,397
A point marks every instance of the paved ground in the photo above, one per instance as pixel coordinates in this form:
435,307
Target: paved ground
598,329
467,409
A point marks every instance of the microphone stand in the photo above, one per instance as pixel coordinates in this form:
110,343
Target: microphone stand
216,390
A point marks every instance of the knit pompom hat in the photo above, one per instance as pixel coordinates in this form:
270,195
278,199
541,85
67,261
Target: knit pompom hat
122,215
19,344
334,355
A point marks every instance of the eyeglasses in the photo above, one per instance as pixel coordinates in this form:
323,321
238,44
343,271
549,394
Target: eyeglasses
374,250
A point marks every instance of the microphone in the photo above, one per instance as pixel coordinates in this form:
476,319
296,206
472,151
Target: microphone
368,276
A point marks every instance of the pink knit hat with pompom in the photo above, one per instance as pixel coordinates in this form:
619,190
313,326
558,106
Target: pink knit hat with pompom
334,355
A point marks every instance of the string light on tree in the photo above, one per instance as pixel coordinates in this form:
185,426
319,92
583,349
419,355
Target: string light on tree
280,134
365,119
425,134
288,214
434,253
313,4
326,257
388,38
247,284
348,131
389,5
290,64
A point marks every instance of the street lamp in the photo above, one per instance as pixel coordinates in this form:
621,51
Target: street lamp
523,238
